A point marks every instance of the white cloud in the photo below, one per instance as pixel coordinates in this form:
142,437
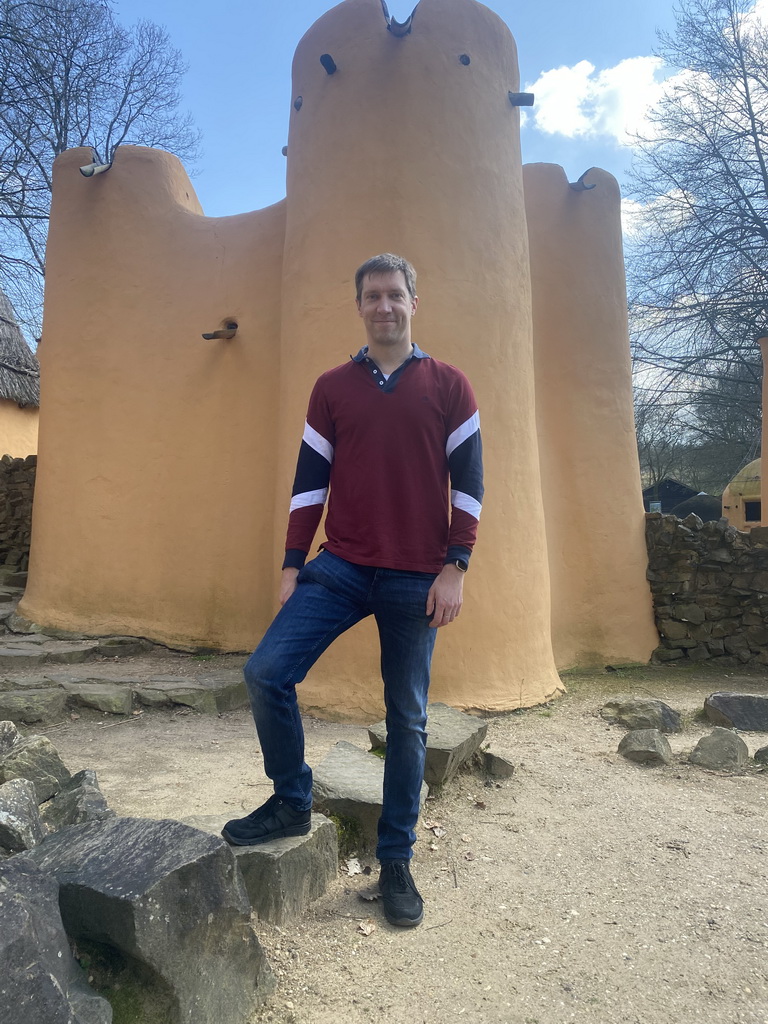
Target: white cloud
582,101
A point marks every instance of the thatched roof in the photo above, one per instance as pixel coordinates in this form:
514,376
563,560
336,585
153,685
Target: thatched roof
19,368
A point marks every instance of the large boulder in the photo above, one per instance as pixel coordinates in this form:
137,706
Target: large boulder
169,898
722,750
745,711
40,983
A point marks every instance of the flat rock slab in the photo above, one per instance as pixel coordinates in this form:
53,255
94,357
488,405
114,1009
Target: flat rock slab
641,713
171,897
40,983
452,738
20,825
745,711
35,758
349,783
283,877
646,746
158,694
722,750
111,698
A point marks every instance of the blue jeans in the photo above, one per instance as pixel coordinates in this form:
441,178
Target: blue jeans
331,595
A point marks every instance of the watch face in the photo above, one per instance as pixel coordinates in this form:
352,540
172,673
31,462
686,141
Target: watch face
460,563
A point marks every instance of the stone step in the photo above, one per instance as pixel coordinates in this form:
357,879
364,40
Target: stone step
349,785
452,739
283,877
46,697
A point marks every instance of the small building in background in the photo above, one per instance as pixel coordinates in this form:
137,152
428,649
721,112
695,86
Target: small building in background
742,505
19,387
665,495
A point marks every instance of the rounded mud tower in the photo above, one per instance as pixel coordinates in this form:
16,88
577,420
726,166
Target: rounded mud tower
601,602
412,146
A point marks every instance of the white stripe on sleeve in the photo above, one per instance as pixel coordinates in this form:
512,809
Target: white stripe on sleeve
318,442
467,429
309,498
466,503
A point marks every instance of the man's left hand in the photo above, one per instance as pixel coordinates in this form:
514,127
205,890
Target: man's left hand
445,596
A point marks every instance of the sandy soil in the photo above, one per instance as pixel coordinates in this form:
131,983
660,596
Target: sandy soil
584,889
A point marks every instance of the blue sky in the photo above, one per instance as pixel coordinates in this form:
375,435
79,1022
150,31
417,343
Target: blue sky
590,66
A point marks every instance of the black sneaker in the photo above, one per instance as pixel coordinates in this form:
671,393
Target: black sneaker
273,820
403,905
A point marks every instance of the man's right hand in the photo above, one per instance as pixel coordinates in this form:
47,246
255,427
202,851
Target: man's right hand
287,584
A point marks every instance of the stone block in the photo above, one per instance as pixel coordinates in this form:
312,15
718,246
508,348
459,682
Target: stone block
349,783
123,646
69,652
722,750
160,693
646,746
690,613
78,801
667,654
111,698
673,630
33,705
40,983
35,758
642,713
452,738
283,877
170,897
497,767
20,824
745,711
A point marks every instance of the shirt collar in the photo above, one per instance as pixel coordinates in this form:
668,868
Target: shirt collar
417,354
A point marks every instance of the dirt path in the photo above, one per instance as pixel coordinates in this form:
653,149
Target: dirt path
584,889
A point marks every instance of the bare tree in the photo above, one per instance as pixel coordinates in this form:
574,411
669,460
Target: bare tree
70,75
697,271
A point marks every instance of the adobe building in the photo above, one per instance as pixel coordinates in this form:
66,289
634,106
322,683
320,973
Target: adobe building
742,504
170,522
19,387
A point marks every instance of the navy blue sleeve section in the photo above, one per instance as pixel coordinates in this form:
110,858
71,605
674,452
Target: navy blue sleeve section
466,467
456,552
294,559
313,471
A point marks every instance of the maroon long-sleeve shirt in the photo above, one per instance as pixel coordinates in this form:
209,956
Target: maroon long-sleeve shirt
402,457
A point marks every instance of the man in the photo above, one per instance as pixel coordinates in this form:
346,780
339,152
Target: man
385,432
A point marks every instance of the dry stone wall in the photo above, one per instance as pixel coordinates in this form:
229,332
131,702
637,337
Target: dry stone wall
17,488
710,589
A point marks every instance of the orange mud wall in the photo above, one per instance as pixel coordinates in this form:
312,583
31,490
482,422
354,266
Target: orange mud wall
172,524
602,610
18,429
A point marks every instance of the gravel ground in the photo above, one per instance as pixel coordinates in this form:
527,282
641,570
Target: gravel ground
583,889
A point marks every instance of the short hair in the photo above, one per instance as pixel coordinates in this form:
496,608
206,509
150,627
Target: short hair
386,263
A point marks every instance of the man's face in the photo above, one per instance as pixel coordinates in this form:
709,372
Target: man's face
386,308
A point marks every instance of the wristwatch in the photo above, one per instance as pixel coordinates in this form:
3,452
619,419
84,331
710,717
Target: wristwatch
460,563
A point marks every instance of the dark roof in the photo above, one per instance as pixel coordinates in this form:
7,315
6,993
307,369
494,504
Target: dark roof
706,506
19,368
669,492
